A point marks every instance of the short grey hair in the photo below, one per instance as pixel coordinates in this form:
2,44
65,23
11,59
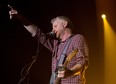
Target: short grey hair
70,25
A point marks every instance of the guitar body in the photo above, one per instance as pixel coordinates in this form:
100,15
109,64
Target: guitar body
63,67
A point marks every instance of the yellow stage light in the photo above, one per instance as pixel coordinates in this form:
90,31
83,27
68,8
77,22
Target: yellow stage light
103,16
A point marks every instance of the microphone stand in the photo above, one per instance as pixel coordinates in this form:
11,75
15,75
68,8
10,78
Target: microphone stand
23,76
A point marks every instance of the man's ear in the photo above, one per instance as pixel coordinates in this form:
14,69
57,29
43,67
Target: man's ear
65,23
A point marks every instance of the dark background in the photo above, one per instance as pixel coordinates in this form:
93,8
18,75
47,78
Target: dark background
18,47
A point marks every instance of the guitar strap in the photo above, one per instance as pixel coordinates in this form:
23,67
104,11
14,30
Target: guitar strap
61,60
62,57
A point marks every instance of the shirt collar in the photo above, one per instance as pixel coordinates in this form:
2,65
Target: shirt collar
67,39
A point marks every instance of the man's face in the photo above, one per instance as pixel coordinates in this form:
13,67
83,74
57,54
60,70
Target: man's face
58,27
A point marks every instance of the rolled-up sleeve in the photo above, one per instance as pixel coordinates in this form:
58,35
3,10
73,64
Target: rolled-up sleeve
43,39
82,55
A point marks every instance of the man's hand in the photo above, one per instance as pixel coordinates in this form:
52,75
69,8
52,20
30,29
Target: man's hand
65,73
12,12
61,73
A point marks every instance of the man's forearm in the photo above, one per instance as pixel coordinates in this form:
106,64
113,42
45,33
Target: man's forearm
21,19
76,69
32,29
27,24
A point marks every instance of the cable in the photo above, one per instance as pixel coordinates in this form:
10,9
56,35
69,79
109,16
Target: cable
24,74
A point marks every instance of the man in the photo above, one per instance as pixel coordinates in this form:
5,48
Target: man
74,71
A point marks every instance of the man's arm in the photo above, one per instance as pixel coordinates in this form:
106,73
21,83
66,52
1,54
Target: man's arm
33,29
81,58
26,23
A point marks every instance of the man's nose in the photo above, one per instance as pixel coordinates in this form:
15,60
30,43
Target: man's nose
53,30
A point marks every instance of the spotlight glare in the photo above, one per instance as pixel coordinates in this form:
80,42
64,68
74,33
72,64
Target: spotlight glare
103,16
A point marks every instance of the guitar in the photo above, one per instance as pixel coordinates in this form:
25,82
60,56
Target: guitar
63,67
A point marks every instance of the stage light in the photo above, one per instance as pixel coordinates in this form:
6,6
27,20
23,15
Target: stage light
109,52
103,16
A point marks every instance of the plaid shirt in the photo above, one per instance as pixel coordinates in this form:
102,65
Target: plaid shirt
56,47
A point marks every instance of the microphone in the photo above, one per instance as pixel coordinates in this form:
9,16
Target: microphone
51,34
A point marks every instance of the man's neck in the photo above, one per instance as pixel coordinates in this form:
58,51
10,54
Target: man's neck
65,36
